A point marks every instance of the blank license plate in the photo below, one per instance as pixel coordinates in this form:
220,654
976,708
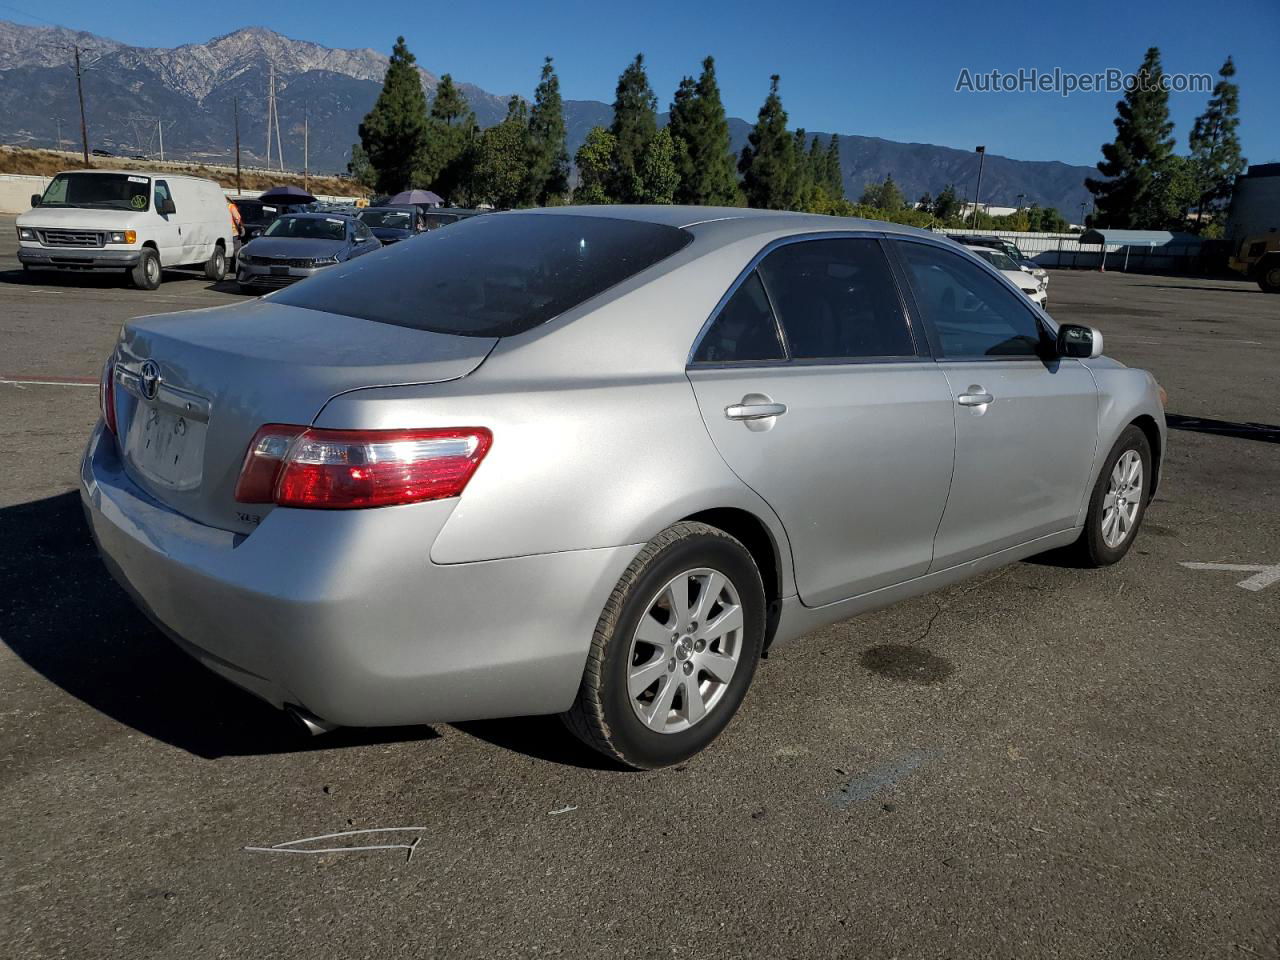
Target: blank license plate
167,446
279,271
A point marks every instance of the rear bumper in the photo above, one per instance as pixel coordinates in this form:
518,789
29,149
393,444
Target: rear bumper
342,612
78,258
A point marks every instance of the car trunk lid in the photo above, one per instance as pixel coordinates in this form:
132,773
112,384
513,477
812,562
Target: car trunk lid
193,388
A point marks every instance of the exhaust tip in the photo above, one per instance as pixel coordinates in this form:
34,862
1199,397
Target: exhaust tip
309,723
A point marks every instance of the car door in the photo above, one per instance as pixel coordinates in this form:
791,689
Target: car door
167,227
820,398
1026,421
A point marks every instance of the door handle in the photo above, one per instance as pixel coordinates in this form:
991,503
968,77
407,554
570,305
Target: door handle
754,411
976,397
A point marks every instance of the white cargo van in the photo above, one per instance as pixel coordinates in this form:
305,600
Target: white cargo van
128,221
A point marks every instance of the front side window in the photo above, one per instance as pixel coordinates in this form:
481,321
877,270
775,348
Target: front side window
162,193
98,191
491,276
836,299
974,314
743,330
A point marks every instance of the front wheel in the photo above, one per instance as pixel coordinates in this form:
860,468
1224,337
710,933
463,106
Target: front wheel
1269,276
146,275
1118,502
674,651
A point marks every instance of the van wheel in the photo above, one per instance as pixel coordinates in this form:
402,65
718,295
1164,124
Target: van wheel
146,275
215,268
674,651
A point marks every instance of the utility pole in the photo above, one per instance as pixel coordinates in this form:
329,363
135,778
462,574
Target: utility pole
235,104
306,142
271,109
160,130
1020,196
977,193
84,128
58,121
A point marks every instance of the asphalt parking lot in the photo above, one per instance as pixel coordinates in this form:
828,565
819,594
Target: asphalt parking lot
1044,762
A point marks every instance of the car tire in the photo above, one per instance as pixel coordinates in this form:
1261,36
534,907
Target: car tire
146,275
641,635
215,268
1119,500
1269,275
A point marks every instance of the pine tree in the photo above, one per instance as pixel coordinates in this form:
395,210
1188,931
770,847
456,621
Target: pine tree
768,160
549,158
359,168
700,129
451,139
594,161
802,182
1135,161
884,196
657,177
501,174
833,174
394,132
635,121
1215,146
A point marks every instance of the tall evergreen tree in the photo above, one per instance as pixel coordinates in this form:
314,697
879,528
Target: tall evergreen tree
768,160
947,203
803,184
883,196
501,174
704,156
1215,146
549,158
359,168
394,133
594,161
452,132
1135,161
635,121
833,174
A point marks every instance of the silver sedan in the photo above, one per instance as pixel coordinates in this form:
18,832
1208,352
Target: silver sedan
595,461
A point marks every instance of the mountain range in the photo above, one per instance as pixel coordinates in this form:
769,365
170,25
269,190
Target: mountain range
187,94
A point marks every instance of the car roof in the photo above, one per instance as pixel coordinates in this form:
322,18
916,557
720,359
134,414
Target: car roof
402,207
323,215
730,223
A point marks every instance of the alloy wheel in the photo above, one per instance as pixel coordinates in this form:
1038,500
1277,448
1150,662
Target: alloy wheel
1123,500
685,650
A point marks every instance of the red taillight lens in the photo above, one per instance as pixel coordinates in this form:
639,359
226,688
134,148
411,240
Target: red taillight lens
341,469
107,395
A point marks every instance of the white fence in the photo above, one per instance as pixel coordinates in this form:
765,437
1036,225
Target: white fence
1066,251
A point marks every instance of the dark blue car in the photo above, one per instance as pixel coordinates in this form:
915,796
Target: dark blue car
391,224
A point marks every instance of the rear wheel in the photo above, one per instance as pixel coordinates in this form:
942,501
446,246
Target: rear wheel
674,651
215,268
1118,503
146,275
1269,275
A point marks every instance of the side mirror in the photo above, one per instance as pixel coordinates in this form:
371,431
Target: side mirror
166,207
1078,341
35,200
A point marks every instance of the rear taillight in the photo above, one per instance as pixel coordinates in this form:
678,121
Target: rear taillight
340,469
107,395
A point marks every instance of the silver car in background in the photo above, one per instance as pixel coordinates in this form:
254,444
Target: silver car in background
594,461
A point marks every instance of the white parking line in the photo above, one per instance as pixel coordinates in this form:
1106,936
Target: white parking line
47,383
1264,575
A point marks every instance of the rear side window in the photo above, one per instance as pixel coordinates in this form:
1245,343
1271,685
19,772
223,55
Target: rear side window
973,313
491,276
836,299
744,329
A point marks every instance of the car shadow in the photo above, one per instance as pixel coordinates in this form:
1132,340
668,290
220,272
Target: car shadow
1265,432
543,738
65,617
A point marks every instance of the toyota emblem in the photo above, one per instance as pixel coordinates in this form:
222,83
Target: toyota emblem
149,374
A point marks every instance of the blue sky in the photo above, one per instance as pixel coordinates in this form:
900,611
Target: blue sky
887,70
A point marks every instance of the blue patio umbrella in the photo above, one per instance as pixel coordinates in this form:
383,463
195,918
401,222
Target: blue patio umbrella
418,196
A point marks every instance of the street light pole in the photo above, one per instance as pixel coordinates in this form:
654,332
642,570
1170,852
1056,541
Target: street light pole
977,192
84,129
235,104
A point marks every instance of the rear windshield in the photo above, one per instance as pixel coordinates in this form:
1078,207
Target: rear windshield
492,276
399,219
98,191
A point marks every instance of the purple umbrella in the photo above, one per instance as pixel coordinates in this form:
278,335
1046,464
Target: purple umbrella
425,197
287,195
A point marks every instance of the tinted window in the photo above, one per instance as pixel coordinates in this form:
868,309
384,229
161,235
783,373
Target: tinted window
974,314
491,276
836,299
744,329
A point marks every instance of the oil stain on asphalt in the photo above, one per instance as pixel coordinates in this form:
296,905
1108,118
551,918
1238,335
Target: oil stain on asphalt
909,664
